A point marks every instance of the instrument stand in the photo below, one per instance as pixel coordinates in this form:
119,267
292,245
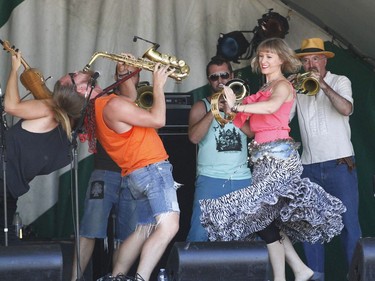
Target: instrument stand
76,222
3,127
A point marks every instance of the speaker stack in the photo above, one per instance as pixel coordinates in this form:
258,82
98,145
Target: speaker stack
182,155
39,260
213,261
31,262
362,267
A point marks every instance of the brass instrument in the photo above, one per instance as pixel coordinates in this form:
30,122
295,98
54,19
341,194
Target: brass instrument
148,61
304,83
31,78
240,89
145,96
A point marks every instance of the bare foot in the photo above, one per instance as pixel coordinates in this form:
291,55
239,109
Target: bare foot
304,275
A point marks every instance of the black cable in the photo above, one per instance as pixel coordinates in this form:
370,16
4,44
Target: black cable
3,127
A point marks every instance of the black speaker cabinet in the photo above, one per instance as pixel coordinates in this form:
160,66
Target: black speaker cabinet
362,267
182,155
215,261
31,262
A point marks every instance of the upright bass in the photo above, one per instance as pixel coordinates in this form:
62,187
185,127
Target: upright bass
31,78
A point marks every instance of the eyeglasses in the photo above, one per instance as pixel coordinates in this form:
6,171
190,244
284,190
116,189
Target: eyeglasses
215,76
72,79
312,60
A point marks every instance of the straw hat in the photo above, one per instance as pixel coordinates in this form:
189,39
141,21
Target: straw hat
313,46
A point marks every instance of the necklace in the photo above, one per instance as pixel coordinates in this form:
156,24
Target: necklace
268,84
265,86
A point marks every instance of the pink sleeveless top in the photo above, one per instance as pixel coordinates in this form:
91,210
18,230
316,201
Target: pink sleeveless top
267,127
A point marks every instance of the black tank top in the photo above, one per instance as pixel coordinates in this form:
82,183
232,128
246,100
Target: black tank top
103,161
31,154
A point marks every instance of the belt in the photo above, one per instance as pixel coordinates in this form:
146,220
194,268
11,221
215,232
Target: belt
348,161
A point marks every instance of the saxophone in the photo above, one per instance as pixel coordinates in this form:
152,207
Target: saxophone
148,61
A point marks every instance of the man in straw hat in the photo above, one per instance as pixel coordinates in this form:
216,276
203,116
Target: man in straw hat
328,155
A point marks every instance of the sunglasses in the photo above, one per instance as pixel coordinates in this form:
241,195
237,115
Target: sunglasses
72,79
215,76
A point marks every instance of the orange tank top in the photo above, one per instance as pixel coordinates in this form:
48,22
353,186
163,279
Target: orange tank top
131,150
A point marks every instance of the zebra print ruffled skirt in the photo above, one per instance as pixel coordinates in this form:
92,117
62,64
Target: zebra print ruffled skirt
300,208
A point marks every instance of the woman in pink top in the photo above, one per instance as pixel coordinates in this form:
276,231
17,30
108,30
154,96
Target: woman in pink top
279,204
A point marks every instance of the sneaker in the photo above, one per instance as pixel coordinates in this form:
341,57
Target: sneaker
138,278
107,277
118,277
122,277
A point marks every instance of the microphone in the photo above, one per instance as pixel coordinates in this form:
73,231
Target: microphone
92,83
137,37
94,77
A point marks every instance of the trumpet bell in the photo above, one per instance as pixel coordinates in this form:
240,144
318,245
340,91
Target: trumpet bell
310,86
304,83
145,97
240,89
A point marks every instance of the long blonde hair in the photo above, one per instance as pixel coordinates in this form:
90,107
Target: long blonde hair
67,106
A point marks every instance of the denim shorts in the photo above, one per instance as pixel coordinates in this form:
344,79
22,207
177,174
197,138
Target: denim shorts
105,193
154,190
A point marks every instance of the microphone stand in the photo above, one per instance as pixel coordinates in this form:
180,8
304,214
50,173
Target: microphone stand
75,169
3,127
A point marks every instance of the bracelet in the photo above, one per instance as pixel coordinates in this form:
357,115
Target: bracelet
234,108
120,76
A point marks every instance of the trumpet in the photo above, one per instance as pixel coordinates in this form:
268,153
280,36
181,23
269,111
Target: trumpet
148,61
304,83
240,89
145,96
